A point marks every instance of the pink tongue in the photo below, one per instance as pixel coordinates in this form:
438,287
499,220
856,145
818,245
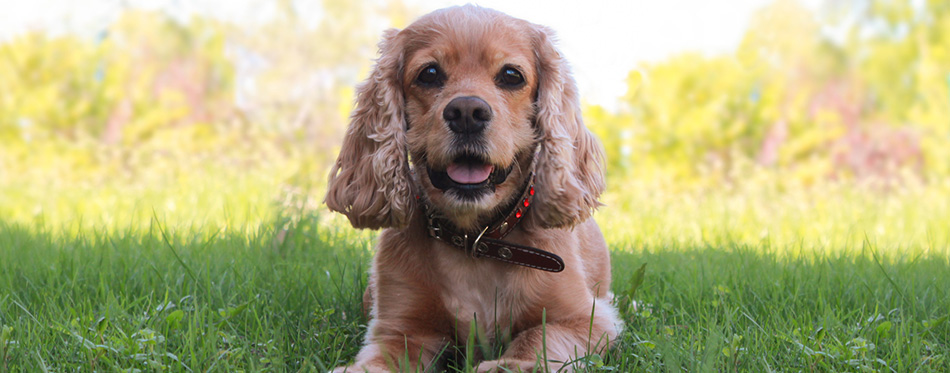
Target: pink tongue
469,173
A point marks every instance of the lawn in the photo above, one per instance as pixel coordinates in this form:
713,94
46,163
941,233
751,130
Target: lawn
732,281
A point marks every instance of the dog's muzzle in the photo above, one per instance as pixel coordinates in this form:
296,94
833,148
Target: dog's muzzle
470,175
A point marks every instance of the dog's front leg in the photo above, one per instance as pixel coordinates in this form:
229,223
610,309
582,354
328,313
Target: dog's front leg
409,326
396,354
560,342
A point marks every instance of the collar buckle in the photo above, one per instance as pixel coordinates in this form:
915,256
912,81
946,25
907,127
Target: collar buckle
435,230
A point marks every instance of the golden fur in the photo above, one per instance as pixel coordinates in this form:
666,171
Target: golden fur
423,294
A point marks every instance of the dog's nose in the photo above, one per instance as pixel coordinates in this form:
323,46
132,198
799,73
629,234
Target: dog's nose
467,114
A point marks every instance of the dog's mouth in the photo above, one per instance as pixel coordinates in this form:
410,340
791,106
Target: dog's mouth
471,175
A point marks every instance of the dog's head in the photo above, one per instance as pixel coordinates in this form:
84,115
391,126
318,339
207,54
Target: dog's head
472,98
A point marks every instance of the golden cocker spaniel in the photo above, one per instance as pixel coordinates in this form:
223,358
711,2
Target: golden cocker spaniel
467,146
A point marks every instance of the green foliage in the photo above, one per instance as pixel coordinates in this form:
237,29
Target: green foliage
794,99
145,72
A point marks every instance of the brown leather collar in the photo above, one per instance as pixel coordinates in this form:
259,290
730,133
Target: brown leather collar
488,242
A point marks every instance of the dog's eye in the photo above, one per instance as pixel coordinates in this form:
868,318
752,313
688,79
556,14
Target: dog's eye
430,76
510,77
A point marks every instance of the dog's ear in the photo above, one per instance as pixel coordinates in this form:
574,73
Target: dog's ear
569,174
369,183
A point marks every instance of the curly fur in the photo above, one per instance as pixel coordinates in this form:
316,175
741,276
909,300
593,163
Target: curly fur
571,164
422,294
369,183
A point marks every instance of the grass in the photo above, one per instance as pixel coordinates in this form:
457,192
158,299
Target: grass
185,301
748,280
243,299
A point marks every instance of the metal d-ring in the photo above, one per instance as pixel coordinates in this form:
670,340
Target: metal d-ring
478,246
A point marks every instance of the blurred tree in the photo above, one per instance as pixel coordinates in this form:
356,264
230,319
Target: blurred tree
903,52
298,74
145,72
797,98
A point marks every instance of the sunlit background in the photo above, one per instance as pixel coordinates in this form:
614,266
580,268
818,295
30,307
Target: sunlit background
783,121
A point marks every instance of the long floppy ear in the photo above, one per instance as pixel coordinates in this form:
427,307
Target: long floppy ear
569,174
369,183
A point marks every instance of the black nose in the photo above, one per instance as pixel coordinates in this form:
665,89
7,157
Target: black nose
467,114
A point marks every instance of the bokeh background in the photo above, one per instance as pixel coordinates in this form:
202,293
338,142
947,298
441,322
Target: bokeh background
794,123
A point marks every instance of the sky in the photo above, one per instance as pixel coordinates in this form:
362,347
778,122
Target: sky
603,40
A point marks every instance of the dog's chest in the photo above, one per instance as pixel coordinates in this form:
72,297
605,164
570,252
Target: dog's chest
483,291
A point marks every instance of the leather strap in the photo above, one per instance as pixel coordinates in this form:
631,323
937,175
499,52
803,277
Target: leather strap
489,241
521,255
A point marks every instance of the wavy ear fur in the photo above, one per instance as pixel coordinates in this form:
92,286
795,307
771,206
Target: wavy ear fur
569,175
369,183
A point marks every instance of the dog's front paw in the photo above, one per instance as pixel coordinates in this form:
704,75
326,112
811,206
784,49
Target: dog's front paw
357,369
500,366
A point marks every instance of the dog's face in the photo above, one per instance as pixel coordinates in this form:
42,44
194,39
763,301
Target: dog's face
472,98
470,112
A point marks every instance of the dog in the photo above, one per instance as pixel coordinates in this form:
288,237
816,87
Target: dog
467,147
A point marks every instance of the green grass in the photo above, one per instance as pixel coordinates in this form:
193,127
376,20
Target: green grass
228,271
185,300
738,307
210,298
